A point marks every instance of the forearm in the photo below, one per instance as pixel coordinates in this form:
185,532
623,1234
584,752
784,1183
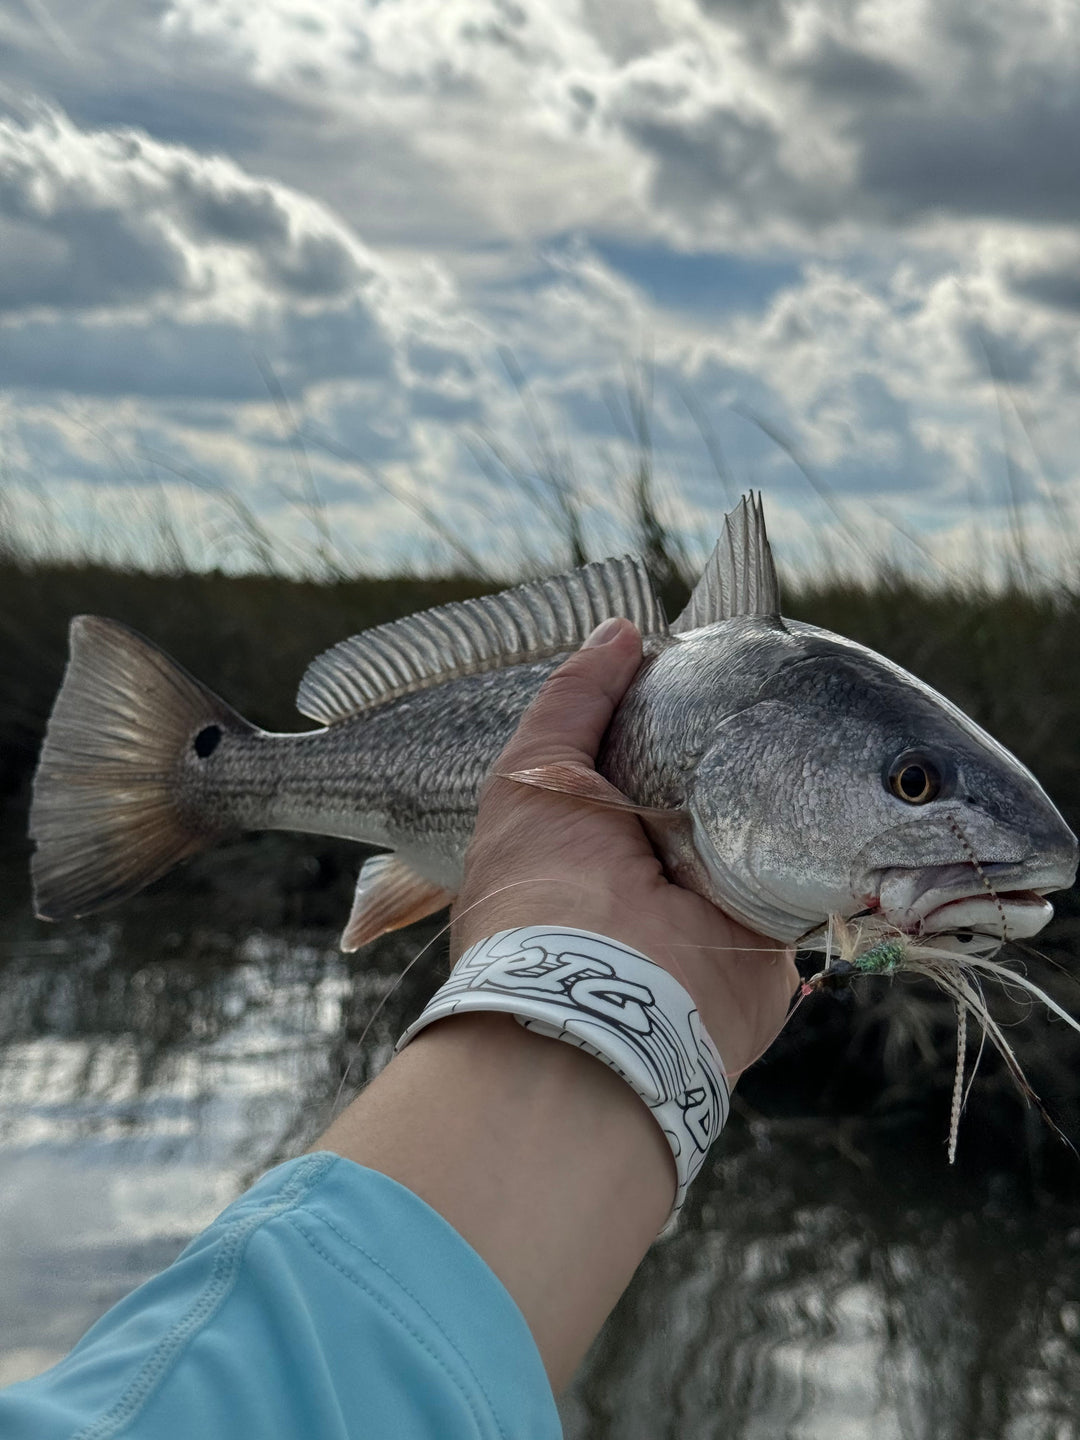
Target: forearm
541,1157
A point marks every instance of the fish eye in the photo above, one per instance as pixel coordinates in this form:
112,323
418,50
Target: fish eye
914,778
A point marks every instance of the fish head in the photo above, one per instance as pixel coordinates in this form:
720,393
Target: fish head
841,784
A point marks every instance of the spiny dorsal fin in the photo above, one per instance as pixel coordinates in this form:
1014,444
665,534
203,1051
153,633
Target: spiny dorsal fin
740,577
530,622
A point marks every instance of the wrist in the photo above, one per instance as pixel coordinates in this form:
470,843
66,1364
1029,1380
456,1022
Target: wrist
614,1003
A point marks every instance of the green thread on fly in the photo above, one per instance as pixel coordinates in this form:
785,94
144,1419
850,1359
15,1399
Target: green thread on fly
859,947
884,958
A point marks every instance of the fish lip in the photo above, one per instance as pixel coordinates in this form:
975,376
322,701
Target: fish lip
962,896
1011,915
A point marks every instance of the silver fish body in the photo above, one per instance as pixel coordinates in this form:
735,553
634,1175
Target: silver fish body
763,754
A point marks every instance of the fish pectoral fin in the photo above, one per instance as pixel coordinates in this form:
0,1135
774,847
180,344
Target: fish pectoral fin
389,894
570,777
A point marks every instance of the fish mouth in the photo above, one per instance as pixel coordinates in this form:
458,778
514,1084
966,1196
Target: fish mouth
1001,899
1006,915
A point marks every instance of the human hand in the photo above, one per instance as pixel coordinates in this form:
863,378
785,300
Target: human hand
538,857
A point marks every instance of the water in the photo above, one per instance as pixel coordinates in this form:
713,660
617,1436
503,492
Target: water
828,1281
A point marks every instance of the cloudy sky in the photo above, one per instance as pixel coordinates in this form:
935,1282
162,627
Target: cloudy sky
378,264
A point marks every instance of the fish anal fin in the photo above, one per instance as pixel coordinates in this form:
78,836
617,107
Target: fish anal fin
389,894
570,777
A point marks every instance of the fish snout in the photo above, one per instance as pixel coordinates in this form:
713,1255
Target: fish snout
1065,856
1054,850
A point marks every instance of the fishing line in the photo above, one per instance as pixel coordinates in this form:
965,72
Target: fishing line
778,949
798,998
774,950
961,834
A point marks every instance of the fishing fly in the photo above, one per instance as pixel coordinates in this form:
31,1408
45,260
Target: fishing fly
868,945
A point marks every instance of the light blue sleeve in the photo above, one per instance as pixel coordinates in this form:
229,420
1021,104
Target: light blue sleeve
327,1302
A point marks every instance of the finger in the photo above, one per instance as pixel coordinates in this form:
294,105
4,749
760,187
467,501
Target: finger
576,703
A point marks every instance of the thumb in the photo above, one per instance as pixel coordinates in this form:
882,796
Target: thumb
568,718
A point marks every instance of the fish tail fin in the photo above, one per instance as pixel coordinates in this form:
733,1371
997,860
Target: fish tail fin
106,813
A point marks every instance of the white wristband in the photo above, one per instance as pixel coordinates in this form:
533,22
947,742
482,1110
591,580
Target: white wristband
612,1002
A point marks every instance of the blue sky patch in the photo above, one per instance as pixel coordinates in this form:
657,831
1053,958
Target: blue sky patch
676,280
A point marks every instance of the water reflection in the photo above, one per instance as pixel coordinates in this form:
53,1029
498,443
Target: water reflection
823,1284
147,1075
805,1299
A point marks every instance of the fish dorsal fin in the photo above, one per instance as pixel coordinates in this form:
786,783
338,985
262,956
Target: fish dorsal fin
740,576
531,622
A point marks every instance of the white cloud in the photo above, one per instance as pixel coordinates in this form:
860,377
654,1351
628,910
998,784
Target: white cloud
136,267
729,124
113,219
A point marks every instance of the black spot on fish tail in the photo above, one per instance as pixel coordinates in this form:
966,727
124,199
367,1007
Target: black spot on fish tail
207,741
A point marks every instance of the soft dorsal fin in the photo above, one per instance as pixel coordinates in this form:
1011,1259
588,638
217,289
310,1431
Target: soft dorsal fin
740,576
530,622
